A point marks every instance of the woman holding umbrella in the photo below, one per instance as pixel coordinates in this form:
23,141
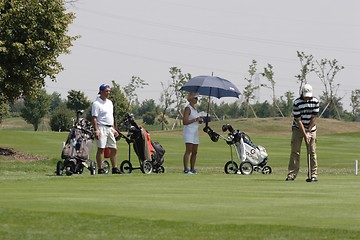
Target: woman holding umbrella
191,121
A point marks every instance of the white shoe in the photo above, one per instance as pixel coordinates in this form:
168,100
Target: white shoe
187,171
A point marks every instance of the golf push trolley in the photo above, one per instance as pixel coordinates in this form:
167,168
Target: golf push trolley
149,153
249,157
75,154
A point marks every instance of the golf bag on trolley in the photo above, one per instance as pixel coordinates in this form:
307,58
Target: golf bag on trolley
76,151
149,153
250,157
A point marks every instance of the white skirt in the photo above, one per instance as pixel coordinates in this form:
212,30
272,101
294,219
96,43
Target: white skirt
191,134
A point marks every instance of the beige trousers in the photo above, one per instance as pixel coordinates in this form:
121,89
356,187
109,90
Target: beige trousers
294,163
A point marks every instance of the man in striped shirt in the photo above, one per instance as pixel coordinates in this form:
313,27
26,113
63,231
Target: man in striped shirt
305,111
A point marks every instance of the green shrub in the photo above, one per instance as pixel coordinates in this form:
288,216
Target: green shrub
61,120
149,118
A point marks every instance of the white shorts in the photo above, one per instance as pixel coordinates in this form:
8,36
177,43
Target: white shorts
191,135
106,138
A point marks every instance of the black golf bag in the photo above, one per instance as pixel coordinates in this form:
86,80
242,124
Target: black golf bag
149,153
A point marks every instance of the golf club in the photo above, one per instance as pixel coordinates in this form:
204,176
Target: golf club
308,157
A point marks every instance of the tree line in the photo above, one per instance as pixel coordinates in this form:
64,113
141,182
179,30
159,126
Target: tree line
32,38
62,112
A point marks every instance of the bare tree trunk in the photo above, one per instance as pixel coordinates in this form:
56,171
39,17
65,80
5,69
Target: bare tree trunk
279,109
327,105
253,111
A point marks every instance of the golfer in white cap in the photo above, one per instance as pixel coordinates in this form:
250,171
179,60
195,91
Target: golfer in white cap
305,111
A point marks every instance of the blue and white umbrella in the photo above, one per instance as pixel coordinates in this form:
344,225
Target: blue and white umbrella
211,86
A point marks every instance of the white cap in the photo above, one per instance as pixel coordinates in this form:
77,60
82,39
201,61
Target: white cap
307,90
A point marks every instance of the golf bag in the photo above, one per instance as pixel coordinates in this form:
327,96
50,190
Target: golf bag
75,154
250,157
149,153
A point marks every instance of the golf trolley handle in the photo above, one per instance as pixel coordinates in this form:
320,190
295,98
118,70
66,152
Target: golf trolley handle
79,113
127,139
129,124
84,130
129,117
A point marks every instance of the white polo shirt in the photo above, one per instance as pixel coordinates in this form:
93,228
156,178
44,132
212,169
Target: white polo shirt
103,111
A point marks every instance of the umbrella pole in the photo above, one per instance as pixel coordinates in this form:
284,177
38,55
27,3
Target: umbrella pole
207,114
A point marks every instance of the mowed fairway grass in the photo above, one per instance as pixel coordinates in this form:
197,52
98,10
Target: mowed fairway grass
37,204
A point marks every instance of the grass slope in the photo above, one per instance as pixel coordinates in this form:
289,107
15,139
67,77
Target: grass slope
36,204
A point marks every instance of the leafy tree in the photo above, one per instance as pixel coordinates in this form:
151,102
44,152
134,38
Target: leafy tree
286,103
249,89
16,106
148,105
76,100
355,103
202,105
4,108
33,34
149,118
134,108
171,93
220,110
61,119
333,110
162,120
234,110
178,80
264,109
121,104
269,74
166,100
327,70
56,101
129,90
307,66
35,108
224,110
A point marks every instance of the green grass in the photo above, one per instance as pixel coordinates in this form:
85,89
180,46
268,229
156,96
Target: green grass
36,204
176,206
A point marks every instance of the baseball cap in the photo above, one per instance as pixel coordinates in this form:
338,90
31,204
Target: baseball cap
103,87
307,90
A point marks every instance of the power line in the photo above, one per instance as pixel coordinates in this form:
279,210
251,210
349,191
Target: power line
221,35
155,59
187,46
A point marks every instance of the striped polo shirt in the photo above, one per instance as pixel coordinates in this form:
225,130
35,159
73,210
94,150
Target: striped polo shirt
305,109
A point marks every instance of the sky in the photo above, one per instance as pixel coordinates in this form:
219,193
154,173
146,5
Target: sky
121,39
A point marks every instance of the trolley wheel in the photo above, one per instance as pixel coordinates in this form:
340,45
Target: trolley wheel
79,170
161,169
59,168
231,167
246,168
68,171
126,166
92,167
146,167
106,166
266,170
